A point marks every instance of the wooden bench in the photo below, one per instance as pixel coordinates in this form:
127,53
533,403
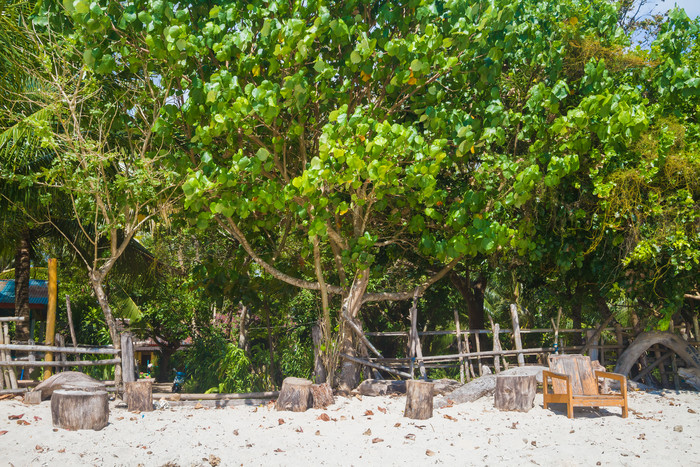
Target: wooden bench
575,383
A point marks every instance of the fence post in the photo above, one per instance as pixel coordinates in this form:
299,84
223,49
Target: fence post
127,356
516,333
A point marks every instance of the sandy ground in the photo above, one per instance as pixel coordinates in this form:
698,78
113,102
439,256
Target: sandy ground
663,429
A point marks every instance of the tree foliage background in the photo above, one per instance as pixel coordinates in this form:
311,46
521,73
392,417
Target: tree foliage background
337,159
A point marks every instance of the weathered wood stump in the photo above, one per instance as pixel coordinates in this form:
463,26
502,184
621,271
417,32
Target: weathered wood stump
295,395
515,392
79,410
322,395
419,400
32,397
139,396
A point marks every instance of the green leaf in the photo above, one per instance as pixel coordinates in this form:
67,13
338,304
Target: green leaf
355,57
262,154
416,65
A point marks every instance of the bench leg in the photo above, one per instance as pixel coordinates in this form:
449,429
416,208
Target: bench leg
624,410
570,410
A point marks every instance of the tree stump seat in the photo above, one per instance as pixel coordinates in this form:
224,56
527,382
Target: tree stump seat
295,395
79,410
419,400
139,396
515,392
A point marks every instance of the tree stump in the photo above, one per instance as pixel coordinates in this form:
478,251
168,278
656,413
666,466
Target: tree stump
322,395
32,397
419,400
515,392
139,396
295,395
79,410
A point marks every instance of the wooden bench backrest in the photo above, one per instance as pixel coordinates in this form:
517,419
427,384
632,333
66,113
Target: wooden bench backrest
578,367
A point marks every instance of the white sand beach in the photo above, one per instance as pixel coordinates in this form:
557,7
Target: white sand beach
663,428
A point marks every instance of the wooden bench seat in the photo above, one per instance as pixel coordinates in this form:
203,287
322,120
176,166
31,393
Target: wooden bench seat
575,383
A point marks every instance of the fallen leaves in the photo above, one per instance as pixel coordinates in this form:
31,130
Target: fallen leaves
278,450
198,406
377,440
368,413
23,422
368,432
3,432
397,424
428,452
15,417
381,409
299,430
691,411
514,426
450,418
6,396
280,421
324,417
410,436
235,432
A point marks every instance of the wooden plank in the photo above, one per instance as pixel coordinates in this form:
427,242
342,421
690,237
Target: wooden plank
11,319
483,331
516,333
496,347
51,312
6,356
13,363
127,358
68,350
459,347
214,397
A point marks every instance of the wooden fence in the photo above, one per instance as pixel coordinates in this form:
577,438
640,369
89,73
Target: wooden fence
37,352
602,343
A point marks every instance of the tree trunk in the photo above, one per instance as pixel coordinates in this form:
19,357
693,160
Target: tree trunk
166,354
319,369
243,330
22,273
472,293
96,283
270,343
350,371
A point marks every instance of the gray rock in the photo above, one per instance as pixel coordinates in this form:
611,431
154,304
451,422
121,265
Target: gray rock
69,380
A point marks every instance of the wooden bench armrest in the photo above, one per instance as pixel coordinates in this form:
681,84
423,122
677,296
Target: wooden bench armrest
616,376
553,375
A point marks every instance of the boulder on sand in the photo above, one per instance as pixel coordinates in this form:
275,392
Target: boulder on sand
71,381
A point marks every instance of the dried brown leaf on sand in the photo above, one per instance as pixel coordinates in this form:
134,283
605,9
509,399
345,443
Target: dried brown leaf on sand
15,417
280,421
324,417
368,432
381,409
3,432
397,424
450,418
377,440
410,436
368,413
428,452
